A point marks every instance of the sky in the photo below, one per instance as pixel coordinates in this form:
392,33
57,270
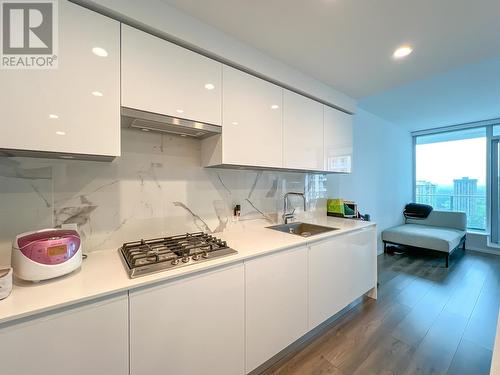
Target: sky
441,163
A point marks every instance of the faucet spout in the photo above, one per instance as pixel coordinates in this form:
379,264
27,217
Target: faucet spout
290,215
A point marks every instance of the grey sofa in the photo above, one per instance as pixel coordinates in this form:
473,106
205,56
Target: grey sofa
441,232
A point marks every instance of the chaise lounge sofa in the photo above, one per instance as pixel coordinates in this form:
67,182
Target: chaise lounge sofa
441,232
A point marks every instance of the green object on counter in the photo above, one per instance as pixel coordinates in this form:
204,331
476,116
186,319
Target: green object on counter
335,206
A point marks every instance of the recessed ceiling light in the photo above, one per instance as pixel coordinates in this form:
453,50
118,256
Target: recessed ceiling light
66,157
98,51
275,106
402,51
209,86
183,135
235,123
53,117
60,132
180,111
97,93
145,130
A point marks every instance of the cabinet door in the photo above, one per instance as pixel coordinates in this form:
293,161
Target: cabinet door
303,132
252,120
363,261
74,108
161,77
89,339
341,269
329,277
338,140
276,304
190,326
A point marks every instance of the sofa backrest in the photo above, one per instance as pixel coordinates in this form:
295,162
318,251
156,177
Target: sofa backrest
456,220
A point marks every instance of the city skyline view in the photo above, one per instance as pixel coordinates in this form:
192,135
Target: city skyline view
451,176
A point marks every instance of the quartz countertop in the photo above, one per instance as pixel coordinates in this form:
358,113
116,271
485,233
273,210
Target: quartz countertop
103,272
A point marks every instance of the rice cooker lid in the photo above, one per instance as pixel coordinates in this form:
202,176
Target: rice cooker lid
26,239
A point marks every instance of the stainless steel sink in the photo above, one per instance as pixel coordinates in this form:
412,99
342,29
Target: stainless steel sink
302,229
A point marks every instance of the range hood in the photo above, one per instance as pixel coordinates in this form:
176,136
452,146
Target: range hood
133,118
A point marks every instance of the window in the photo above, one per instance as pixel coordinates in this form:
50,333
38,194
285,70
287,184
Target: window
450,173
495,186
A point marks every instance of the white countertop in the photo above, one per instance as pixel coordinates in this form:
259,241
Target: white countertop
103,272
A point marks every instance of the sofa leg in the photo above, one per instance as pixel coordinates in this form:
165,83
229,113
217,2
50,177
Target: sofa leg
385,247
447,260
463,244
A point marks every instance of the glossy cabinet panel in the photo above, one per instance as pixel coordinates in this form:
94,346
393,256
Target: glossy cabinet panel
194,325
303,132
338,140
252,120
161,77
89,339
76,107
341,269
276,304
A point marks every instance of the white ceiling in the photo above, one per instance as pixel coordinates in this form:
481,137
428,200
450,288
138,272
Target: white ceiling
349,43
469,93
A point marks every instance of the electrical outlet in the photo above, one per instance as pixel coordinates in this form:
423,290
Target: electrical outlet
73,226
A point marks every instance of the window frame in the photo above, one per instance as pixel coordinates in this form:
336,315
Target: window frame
488,125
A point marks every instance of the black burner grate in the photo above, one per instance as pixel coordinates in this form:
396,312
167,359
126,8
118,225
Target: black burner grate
168,252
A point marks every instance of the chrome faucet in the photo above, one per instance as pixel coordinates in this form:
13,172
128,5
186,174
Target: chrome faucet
291,215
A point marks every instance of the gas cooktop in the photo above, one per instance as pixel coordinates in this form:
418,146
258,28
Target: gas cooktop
149,256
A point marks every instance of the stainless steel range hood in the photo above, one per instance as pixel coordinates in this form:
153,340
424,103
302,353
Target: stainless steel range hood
133,118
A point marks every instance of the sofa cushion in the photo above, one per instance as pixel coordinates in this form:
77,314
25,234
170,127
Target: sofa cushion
428,237
455,220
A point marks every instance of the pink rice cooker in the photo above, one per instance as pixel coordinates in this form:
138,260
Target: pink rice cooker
46,254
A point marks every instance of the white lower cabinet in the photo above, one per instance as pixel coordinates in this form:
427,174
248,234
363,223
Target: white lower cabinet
341,269
194,325
225,321
89,339
276,303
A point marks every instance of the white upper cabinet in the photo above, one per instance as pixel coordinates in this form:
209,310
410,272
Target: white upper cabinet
338,140
163,78
74,108
252,120
303,132
276,304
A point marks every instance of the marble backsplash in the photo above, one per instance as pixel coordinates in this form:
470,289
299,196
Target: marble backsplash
157,187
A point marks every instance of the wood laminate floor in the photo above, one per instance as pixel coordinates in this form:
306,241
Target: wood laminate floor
427,320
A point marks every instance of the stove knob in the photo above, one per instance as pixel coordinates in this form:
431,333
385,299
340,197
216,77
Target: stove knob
175,262
196,257
185,259
205,254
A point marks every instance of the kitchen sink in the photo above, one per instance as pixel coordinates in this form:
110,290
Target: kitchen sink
302,229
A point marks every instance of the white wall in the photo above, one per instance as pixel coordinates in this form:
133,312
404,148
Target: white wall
381,182
180,26
479,242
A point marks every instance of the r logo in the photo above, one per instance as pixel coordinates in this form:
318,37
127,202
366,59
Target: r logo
29,34
27,28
